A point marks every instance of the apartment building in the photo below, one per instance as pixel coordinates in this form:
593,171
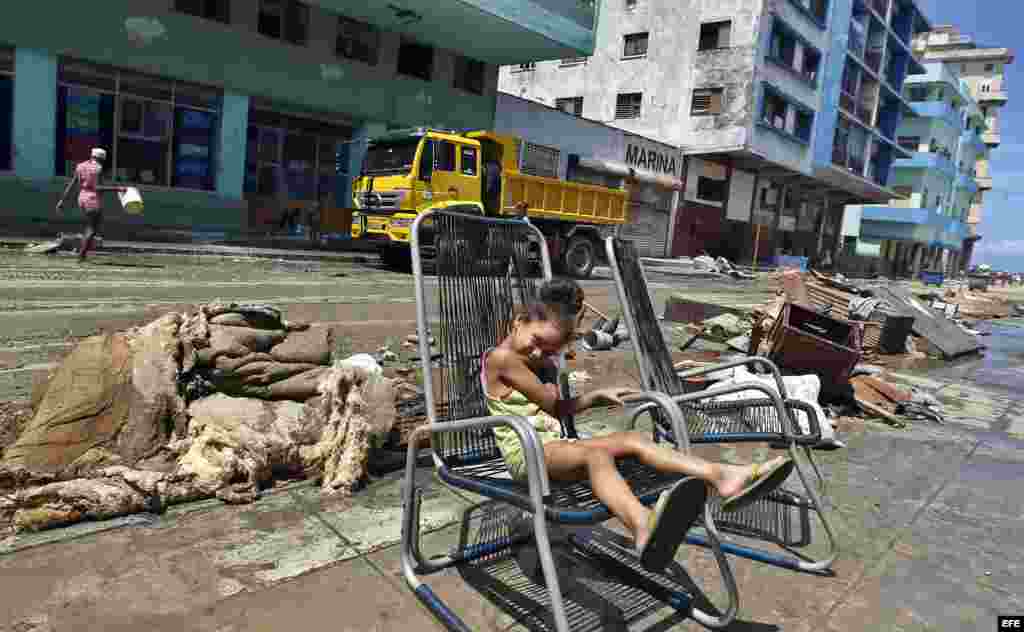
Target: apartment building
983,70
784,110
926,227
223,111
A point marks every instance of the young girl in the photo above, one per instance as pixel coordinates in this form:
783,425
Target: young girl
512,387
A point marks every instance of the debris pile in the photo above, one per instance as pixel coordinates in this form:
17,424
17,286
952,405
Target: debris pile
215,403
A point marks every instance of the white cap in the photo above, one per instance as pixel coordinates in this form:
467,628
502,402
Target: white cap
99,153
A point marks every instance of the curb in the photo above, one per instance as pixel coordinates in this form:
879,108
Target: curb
211,250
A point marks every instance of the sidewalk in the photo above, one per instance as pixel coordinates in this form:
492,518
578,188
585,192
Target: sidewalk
926,519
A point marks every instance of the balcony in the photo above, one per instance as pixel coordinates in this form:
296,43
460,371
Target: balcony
937,110
992,139
984,182
930,161
914,224
492,31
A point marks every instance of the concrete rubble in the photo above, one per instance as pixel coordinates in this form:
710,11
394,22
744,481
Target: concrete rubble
219,403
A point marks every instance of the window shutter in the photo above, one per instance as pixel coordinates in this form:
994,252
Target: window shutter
715,104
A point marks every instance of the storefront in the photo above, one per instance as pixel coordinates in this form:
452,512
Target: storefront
294,164
594,153
651,198
223,121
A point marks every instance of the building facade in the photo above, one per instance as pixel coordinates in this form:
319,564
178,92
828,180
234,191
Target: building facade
926,227
784,110
594,153
225,112
983,70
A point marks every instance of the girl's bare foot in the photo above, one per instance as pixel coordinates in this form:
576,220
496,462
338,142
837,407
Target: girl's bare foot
734,478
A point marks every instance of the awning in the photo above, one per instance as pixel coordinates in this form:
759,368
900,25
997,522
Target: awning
623,170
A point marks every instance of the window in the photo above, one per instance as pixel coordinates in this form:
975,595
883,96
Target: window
207,9
910,143
286,20
416,60
812,61
156,131
634,45
289,158
444,156
468,158
357,40
816,9
784,48
917,93
572,105
963,68
774,113
803,124
783,45
714,35
469,74
573,61
710,189
529,66
990,67
628,106
630,5
706,102
782,114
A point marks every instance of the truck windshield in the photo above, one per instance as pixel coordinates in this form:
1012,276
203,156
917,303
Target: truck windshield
392,157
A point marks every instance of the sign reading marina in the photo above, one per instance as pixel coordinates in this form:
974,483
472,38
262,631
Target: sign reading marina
649,159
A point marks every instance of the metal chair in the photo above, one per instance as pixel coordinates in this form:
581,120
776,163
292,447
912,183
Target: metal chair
782,516
483,270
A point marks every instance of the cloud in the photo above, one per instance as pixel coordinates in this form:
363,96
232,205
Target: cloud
1001,247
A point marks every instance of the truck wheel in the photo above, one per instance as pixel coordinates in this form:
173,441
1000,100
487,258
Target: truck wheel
580,257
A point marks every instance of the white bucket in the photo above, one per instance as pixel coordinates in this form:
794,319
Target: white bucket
131,201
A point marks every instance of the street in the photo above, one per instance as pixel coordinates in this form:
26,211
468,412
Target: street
929,518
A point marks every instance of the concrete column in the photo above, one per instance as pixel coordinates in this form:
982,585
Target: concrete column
231,146
917,262
35,113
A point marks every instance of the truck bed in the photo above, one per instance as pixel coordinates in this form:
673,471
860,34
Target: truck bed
548,198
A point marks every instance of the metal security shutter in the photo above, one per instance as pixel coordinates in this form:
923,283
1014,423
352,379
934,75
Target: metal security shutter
648,229
649,219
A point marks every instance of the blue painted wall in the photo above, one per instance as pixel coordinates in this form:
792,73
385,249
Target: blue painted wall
35,113
231,145
828,115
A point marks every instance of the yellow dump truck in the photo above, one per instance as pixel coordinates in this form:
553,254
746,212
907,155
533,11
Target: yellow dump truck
409,172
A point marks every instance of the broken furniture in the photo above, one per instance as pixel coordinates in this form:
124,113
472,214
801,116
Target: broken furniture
782,517
805,341
475,299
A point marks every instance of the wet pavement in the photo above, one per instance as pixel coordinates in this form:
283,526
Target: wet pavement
930,518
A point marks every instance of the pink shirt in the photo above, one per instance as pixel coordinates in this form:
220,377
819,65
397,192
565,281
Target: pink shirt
88,173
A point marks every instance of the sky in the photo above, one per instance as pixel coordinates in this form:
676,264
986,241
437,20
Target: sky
997,23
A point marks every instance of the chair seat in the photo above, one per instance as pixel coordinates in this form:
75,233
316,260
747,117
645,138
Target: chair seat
568,503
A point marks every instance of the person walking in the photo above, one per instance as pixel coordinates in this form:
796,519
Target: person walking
88,177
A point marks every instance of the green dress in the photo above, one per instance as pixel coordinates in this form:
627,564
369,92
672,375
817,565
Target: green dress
516,404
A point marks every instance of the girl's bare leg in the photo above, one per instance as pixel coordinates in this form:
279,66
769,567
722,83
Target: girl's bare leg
576,460
724,478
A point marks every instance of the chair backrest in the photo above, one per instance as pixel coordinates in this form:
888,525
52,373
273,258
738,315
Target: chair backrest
484,268
652,356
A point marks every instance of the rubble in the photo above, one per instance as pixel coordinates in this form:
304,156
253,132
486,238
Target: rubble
216,403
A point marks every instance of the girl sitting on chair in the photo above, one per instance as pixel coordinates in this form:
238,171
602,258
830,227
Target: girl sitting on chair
512,387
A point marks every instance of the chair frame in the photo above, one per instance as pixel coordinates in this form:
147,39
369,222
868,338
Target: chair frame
536,501
790,439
